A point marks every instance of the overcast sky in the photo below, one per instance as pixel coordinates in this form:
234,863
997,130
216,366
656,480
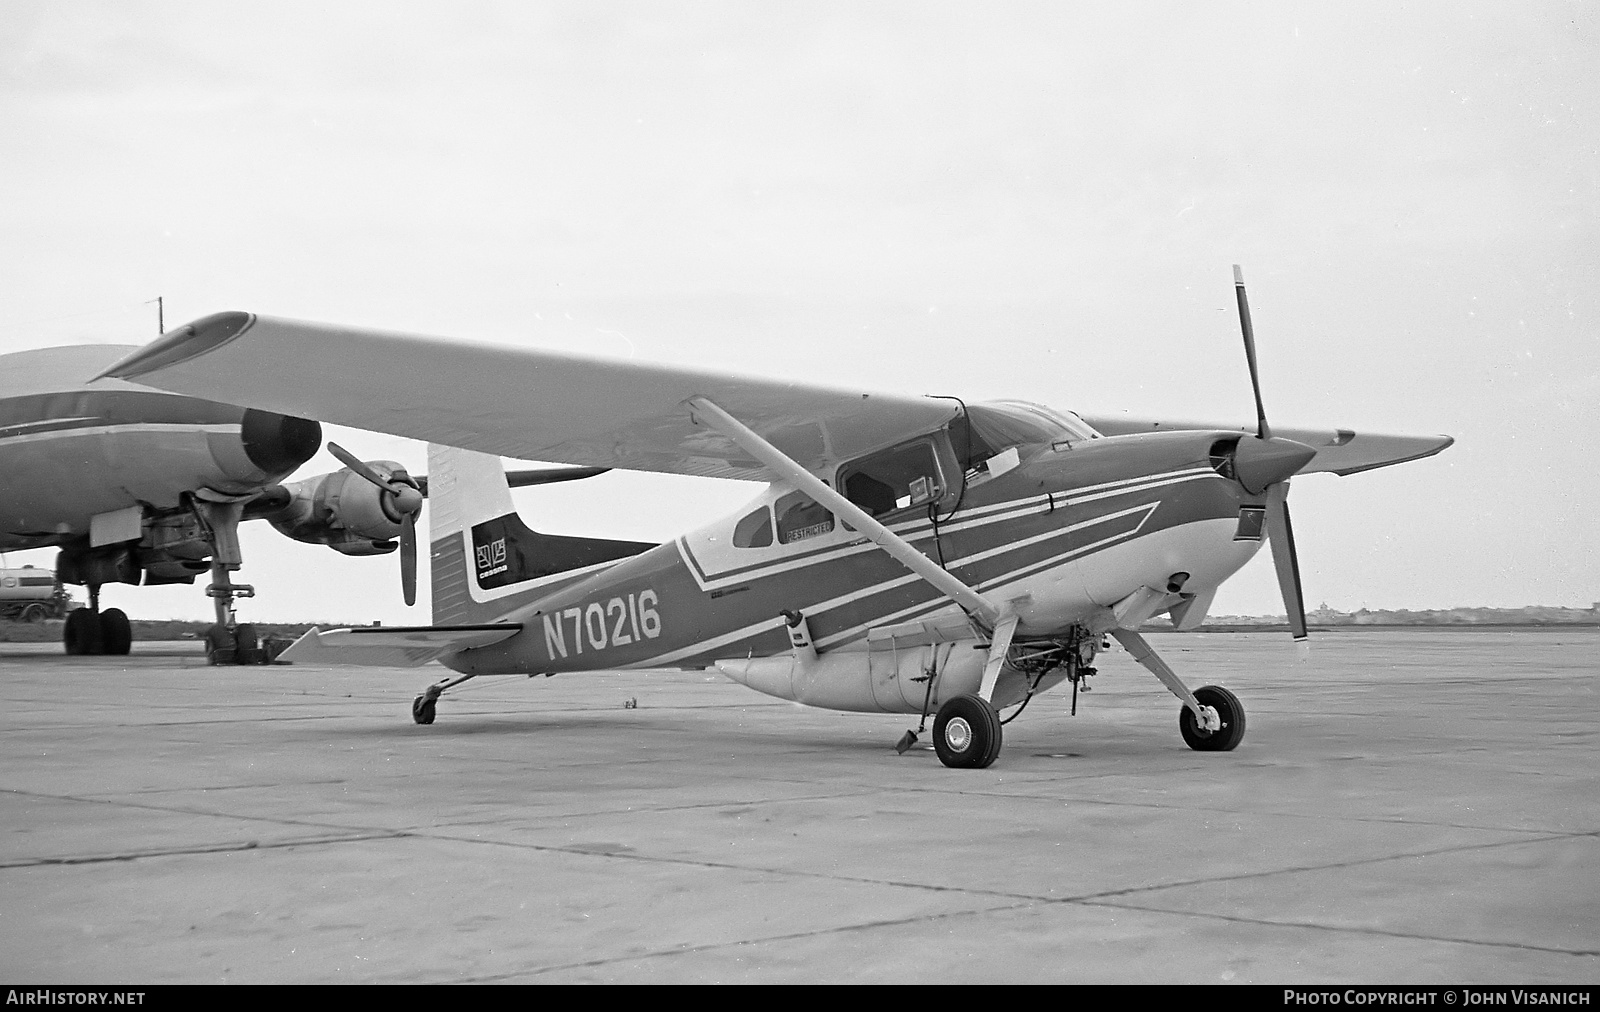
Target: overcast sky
1002,199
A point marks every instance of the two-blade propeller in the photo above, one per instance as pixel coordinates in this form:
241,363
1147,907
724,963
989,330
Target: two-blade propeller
1263,463
402,502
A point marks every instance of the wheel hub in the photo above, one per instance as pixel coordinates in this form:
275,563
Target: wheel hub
958,734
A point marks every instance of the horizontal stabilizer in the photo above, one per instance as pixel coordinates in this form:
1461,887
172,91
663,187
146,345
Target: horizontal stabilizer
1339,451
393,646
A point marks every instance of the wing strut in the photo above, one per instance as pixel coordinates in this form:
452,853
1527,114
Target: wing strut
970,600
997,655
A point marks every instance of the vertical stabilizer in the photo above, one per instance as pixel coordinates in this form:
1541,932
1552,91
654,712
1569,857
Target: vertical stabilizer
485,560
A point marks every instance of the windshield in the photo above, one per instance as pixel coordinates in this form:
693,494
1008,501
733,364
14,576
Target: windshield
987,429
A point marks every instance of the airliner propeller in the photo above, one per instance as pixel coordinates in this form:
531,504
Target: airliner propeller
1263,463
402,502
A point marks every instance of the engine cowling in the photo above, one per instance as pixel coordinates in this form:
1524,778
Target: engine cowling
268,447
343,510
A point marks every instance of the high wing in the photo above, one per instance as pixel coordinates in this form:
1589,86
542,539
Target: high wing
1339,451
517,402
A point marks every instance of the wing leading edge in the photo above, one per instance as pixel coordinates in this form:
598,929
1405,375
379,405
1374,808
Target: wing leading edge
518,402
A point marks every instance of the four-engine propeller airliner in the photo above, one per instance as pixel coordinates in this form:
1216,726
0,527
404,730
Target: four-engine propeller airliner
909,554
136,486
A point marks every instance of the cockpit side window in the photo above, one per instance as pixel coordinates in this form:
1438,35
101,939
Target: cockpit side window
801,517
754,530
905,476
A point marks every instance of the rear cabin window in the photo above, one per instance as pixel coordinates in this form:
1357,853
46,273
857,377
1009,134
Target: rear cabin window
894,479
754,531
800,517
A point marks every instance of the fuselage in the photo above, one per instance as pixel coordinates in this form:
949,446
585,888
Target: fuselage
70,450
1067,530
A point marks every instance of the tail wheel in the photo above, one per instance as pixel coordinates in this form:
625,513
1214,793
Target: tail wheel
423,710
966,733
1229,710
116,635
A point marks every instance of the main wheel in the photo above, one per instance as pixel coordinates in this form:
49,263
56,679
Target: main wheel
247,649
966,733
220,646
116,635
1228,708
422,710
81,633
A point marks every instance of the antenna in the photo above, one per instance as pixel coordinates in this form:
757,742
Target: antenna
161,318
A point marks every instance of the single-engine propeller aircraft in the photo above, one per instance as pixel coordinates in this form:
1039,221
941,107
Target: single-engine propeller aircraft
914,555
136,486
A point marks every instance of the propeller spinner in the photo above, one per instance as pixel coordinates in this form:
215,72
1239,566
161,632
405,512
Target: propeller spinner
1264,463
402,502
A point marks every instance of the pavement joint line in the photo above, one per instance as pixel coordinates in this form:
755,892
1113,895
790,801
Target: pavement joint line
179,810
218,848
375,833
722,865
1096,898
1118,803
637,809
1534,835
1331,866
1341,928
688,950
181,790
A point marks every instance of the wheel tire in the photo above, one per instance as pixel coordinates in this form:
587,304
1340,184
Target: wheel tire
220,648
966,733
247,647
116,635
34,613
422,710
81,634
1228,708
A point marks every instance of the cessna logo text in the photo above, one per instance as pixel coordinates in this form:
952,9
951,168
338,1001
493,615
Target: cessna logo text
616,623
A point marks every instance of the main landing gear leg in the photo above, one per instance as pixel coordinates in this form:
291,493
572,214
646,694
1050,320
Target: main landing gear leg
227,642
966,731
1212,719
424,706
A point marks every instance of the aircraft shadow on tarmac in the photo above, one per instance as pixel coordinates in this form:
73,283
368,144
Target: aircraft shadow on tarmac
1047,747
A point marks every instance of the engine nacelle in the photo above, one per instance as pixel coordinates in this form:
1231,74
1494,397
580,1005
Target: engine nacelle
341,510
267,447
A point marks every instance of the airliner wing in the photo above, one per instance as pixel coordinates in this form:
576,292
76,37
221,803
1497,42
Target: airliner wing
519,402
1339,451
